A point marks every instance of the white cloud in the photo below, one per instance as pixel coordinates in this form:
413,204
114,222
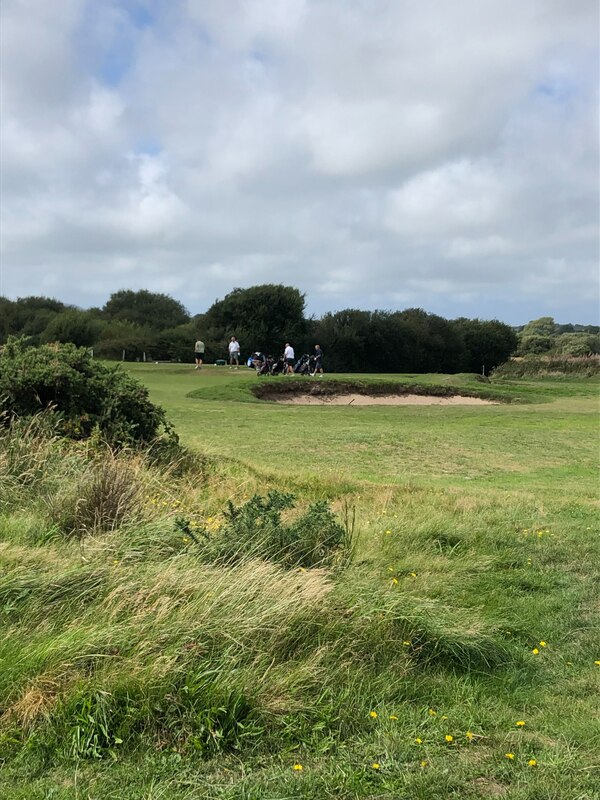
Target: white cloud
374,154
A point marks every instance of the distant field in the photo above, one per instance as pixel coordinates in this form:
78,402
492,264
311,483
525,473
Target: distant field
547,440
458,655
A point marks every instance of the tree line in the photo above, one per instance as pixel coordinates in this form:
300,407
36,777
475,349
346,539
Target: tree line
156,326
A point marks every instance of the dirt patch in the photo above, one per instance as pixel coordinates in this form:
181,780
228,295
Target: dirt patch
381,400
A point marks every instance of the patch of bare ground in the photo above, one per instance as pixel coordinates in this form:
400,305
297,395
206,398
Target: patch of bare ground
383,400
361,393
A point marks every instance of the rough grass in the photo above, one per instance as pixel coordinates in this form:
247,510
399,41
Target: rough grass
131,667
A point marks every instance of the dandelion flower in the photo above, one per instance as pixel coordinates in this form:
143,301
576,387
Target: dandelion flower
394,581
510,756
406,643
423,764
532,762
373,714
431,712
393,716
449,738
418,740
375,765
298,767
520,723
535,651
413,574
597,663
388,532
470,736
542,644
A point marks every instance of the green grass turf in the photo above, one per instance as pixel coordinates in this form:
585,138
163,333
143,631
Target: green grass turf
548,441
477,534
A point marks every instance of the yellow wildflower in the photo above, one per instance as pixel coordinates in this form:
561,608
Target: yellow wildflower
375,765
431,712
597,663
449,738
542,644
406,643
510,756
394,581
532,762
418,740
535,651
520,723
388,532
413,574
373,714
470,736
298,767
423,764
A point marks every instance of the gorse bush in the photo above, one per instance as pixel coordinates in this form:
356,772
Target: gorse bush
87,395
549,366
257,529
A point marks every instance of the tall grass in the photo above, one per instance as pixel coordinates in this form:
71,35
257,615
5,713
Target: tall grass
144,617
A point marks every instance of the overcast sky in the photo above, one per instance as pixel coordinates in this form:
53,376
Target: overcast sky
374,153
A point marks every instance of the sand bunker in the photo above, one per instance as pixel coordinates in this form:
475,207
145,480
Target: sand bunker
381,400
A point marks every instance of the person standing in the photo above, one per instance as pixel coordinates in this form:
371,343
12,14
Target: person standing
199,354
318,363
289,356
234,353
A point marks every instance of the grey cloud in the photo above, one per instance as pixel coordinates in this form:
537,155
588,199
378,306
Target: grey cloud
383,154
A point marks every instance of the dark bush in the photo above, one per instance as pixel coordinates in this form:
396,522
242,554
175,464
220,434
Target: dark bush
87,395
256,529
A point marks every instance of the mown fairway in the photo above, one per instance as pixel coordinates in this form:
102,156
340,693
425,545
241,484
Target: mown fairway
457,656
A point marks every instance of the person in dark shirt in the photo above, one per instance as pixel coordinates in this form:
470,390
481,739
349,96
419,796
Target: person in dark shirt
318,364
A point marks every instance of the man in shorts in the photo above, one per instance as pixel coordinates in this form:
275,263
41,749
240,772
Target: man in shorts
318,363
289,356
199,354
234,353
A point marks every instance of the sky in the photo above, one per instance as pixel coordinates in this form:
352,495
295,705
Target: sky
373,153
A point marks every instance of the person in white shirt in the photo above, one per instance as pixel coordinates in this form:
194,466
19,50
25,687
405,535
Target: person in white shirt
288,354
234,353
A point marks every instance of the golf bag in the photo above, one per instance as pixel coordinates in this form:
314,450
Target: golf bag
279,366
265,367
301,366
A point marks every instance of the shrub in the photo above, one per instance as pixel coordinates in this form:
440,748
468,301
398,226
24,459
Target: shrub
88,395
256,529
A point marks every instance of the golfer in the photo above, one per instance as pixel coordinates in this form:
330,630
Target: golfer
234,353
289,356
199,354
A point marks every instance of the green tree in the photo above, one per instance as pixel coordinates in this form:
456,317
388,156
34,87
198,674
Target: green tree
544,326
157,311
72,325
577,344
535,344
30,316
261,317
488,343
121,335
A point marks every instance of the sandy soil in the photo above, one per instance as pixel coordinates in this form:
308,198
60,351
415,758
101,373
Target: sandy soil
383,400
